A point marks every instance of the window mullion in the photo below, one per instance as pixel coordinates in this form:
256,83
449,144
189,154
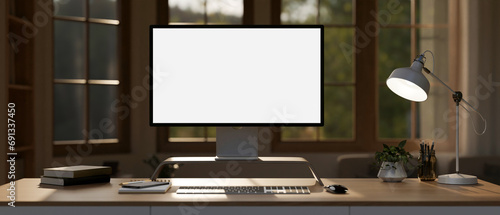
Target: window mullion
318,130
205,15
86,114
318,11
413,36
365,67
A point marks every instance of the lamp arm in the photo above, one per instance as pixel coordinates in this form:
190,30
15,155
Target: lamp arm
437,78
473,108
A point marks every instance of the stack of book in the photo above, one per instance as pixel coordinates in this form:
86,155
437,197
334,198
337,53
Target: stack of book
74,175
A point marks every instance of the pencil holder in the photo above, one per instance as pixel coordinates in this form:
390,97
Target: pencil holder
427,166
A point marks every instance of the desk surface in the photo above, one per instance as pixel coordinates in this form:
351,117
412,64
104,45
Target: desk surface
362,192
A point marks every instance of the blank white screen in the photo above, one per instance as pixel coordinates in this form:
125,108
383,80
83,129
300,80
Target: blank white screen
236,75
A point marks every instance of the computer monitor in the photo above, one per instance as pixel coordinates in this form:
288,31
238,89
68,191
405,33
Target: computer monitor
236,76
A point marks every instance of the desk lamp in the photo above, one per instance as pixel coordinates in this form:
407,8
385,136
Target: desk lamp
411,84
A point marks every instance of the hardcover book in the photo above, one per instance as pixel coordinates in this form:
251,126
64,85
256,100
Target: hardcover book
75,181
76,171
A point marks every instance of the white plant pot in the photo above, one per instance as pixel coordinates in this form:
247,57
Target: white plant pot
392,172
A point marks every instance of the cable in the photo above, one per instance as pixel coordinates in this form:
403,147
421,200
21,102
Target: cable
473,124
432,58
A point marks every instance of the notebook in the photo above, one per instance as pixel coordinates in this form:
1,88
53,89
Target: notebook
155,189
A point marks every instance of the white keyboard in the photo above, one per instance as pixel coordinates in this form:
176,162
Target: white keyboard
244,190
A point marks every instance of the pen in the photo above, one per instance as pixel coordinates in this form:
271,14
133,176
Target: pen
141,181
133,182
428,153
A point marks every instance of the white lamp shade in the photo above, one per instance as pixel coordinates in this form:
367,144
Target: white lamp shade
409,83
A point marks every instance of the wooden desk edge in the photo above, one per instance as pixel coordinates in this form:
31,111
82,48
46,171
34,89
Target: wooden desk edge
294,204
490,197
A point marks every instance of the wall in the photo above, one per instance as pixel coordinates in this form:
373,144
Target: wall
3,90
480,76
43,84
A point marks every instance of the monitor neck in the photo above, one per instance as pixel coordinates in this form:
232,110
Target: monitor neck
239,143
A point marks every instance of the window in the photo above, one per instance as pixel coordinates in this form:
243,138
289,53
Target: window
197,139
205,11
88,75
337,17
364,42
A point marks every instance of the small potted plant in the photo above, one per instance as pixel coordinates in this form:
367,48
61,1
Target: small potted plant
392,160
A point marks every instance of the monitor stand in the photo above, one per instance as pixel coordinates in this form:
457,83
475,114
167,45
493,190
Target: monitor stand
270,160
237,143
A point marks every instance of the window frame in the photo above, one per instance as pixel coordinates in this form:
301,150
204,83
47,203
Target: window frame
120,144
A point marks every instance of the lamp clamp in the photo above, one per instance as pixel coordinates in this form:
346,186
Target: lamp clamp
420,58
457,97
427,70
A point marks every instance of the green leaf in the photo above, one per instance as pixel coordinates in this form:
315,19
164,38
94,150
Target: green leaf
402,144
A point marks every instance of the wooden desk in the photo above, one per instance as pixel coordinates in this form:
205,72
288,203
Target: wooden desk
365,196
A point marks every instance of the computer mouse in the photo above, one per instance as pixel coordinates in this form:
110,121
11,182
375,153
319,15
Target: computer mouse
336,188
